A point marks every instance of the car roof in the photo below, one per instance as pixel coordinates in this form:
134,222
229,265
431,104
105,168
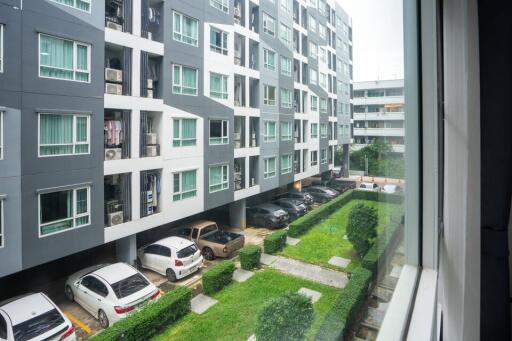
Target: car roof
26,307
291,200
268,206
176,243
115,272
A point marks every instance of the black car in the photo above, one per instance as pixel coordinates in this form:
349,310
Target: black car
267,215
321,194
295,207
299,195
336,184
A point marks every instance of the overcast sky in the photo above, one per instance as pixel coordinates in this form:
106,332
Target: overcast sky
377,38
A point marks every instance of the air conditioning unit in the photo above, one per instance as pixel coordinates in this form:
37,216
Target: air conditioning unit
151,151
113,75
114,26
115,218
113,89
149,83
151,138
150,93
113,153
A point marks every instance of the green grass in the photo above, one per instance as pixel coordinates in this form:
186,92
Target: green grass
325,240
234,317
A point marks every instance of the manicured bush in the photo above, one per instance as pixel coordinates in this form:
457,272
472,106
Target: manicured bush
362,227
392,198
346,307
218,277
275,242
151,319
250,257
285,318
381,247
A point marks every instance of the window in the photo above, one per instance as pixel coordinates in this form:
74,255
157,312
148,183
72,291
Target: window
219,132
269,59
83,5
64,59
313,76
285,34
323,156
63,210
322,31
312,23
218,41
269,95
269,24
286,131
313,3
323,55
286,5
286,98
286,66
313,50
63,134
222,5
184,185
314,158
1,48
184,80
1,135
185,29
314,103
286,164
323,80
270,132
218,86
323,106
323,130
314,130
1,234
218,178
270,167
184,132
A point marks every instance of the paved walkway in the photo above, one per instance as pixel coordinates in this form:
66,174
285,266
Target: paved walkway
307,271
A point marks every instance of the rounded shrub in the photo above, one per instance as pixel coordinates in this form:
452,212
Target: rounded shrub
250,257
362,227
275,242
285,318
218,277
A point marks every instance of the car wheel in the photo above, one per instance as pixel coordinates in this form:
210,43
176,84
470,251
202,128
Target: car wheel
171,276
69,293
208,253
102,317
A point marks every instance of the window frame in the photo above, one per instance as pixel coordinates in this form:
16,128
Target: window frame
287,38
311,107
75,5
288,105
180,193
2,135
313,133
223,40
313,161
181,86
224,138
290,162
224,79
266,17
284,71
313,80
221,5
323,130
266,136
323,156
266,93
2,232
266,64
180,33
2,48
180,139
267,173
222,183
290,126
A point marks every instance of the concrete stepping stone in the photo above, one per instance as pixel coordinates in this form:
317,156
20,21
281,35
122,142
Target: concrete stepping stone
292,241
241,275
202,303
314,295
339,261
252,338
396,271
267,259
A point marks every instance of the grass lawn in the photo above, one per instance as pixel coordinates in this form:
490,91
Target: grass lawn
234,317
325,240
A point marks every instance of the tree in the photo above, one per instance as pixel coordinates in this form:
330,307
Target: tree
285,318
362,227
382,161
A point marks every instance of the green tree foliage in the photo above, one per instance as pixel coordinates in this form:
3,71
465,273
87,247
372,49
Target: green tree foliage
362,227
382,161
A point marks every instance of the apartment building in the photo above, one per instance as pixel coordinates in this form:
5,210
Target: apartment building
120,116
379,113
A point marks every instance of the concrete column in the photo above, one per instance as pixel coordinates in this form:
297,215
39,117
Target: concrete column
237,214
126,249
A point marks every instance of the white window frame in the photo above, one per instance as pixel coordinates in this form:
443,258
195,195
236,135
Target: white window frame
266,136
313,50
290,163
320,109
311,107
74,69
1,135
1,48
286,71
181,192
224,138
313,133
323,130
180,33
268,173
266,28
290,130
221,5
2,234
75,5
287,6
322,31
266,92
313,160
224,79
313,80
323,156
181,80
180,139
266,64
312,23
285,34
288,105
74,216
74,143
224,183
322,53
322,80
224,36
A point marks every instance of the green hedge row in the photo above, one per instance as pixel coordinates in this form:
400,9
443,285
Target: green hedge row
250,257
275,242
381,247
378,196
151,319
218,277
346,307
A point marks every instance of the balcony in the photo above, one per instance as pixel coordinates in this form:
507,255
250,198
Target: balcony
239,84
239,54
253,170
296,162
150,75
116,134
150,133
239,174
151,27
379,116
379,131
254,93
254,131
150,188
239,132
117,197
239,12
118,70
254,13
118,15
254,54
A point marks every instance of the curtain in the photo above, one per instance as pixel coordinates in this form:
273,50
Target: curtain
57,132
176,136
81,134
215,178
189,184
82,64
189,81
215,85
56,57
188,132
81,206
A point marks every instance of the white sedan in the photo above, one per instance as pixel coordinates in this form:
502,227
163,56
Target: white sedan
34,317
110,292
174,257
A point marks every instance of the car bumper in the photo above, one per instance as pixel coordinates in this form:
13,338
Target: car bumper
189,269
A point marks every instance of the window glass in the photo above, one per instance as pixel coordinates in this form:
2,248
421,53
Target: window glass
184,80
219,132
84,5
185,29
3,328
1,48
218,41
34,327
286,98
270,168
269,96
218,178
184,185
269,59
286,66
269,24
130,285
218,86
270,131
184,132
222,5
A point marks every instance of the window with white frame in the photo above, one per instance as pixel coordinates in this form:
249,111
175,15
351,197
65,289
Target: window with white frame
185,29
323,130
323,80
63,134
323,106
64,59
218,178
286,164
269,170
63,210
322,55
345,30
322,31
286,131
219,132
184,185
270,131
286,66
323,156
314,102
314,158
222,5
269,95
287,5
346,70
313,3
1,135
314,130
269,59
285,34
218,86
218,41
313,76
1,48
269,24
184,80
2,238
83,5
312,23
184,132
313,50
286,98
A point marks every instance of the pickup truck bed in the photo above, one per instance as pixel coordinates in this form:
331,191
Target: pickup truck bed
221,237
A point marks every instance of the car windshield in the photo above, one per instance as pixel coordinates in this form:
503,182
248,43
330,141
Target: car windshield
187,252
209,229
38,325
129,285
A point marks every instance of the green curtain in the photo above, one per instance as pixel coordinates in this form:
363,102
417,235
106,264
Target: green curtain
176,187
81,206
190,30
177,26
81,135
189,81
57,131
176,137
215,85
189,132
189,184
176,79
83,5
56,57
82,63
215,178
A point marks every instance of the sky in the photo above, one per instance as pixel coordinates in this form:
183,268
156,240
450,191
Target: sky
377,35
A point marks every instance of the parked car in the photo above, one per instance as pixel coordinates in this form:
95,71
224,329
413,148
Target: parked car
336,184
391,189
321,194
267,215
174,257
294,207
212,241
33,317
299,195
369,186
109,292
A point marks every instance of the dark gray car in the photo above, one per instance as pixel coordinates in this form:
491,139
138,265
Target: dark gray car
295,207
306,198
321,194
267,215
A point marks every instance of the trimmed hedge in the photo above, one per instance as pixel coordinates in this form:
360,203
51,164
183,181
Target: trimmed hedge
275,242
379,196
218,277
151,319
381,247
346,307
250,257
